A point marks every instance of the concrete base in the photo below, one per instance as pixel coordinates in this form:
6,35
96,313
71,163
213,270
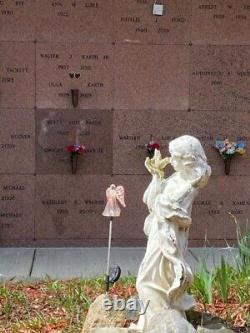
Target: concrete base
15,263
67,263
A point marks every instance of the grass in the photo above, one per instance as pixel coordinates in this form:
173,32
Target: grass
225,291
61,306
52,306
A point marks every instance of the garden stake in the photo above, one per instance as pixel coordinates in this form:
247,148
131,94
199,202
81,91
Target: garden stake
114,195
109,252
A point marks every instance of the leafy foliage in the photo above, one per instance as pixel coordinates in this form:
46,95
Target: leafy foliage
203,283
223,278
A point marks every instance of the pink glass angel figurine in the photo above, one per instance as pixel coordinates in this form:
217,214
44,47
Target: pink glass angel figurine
114,193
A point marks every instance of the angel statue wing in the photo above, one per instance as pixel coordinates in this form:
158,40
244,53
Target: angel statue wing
120,193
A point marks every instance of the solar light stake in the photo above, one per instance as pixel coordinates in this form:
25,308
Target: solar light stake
114,195
109,251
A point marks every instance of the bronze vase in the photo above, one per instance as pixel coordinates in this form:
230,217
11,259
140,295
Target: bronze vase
227,164
74,160
75,97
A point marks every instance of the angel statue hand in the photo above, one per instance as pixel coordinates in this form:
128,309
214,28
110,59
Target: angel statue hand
156,165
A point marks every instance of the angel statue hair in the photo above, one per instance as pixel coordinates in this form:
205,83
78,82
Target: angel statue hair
114,195
164,275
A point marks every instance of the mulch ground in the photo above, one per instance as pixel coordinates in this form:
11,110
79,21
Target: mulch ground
61,307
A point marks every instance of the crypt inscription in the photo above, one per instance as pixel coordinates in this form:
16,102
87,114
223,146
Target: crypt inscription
86,21
211,218
17,20
220,77
17,75
135,23
17,141
220,22
58,129
16,207
70,207
86,67
132,131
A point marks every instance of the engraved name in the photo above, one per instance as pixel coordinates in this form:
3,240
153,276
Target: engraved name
132,19
207,6
49,55
13,187
10,215
20,136
17,69
129,137
52,202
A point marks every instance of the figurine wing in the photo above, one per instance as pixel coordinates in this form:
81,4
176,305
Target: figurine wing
120,193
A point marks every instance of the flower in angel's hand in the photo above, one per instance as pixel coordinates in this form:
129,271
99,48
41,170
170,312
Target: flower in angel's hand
157,164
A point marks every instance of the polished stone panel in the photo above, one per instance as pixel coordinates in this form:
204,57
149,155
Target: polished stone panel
212,219
17,141
18,20
81,21
151,77
56,130
17,75
91,66
132,131
16,207
220,77
221,22
70,207
134,22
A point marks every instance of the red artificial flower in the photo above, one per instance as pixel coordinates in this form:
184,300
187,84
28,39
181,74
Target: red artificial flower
76,149
153,145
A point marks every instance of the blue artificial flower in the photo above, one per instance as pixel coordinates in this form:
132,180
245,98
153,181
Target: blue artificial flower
219,144
241,144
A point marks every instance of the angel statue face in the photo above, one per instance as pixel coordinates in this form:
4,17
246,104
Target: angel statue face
187,155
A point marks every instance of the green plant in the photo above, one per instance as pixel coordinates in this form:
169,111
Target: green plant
203,283
243,243
223,279
243,259
241,286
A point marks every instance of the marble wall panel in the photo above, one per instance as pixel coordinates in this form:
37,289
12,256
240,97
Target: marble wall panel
18,20
91,66
81,21
57,129
221,22
220,77
132,131
17,141
134,22
151,77
17,75
70,207
213,207
16,208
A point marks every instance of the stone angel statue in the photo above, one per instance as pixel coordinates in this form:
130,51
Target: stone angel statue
164,275
114,195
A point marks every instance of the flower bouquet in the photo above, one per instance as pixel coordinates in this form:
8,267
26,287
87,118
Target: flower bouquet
75,151
228,150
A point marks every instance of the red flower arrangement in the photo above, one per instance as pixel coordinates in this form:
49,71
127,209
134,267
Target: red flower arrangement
151,146
75,151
